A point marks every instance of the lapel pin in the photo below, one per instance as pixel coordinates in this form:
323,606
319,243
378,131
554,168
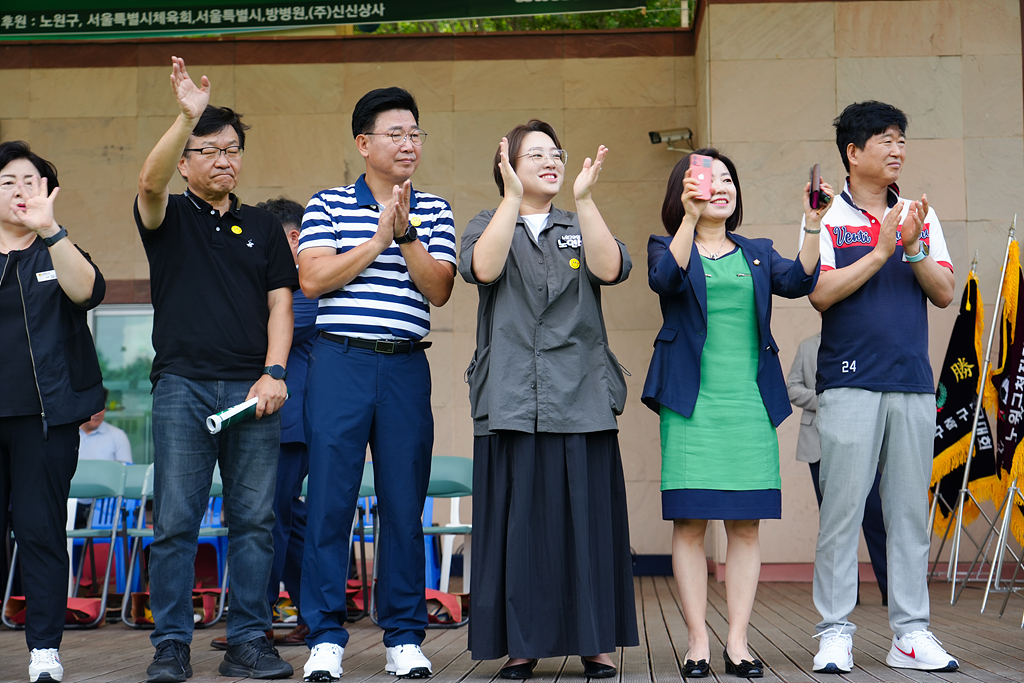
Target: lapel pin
757,262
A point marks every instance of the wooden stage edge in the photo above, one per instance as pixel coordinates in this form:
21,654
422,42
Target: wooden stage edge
990,649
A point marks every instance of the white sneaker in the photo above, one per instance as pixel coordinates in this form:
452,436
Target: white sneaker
45,665
407,661
324,663
920,650
835,652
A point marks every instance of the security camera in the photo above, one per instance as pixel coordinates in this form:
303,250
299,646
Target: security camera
670,137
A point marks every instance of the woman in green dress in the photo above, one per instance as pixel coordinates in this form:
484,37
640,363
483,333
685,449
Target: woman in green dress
716,382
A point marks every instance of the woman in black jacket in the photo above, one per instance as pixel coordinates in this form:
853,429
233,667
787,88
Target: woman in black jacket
50,383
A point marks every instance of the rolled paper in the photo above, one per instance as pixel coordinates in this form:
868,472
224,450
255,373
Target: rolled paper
233,415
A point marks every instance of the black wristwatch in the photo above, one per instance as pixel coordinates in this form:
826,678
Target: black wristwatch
55,237
275,371
409,236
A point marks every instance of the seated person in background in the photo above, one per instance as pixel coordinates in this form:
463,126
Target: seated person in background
99,440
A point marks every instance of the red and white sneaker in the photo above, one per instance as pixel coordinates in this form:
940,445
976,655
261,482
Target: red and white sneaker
920,650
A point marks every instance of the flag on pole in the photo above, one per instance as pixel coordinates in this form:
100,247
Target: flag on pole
1006,390
960,381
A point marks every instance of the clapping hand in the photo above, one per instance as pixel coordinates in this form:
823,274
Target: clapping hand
887,232
400,199
913,224
513,185
192,100
33,205
587,178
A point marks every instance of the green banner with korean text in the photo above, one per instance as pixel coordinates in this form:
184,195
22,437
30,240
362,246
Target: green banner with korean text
111,19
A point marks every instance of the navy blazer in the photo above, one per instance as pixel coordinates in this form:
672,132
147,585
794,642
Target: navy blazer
673,379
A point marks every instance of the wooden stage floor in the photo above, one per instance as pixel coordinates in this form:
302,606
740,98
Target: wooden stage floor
989,648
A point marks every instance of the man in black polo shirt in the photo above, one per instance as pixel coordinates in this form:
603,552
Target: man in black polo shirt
222,278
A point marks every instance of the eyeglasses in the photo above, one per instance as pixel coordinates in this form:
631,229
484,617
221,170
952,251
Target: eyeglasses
233,152
416,137
537,155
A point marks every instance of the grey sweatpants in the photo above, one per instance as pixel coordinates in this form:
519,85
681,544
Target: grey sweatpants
860,431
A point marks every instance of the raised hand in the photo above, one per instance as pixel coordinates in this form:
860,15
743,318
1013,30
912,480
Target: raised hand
587,178
814,216
513,185
33,204
691,189
191,99
887,232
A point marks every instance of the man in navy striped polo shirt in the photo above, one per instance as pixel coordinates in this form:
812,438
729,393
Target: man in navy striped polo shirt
377,254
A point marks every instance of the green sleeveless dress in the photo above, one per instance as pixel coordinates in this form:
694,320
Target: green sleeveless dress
723,461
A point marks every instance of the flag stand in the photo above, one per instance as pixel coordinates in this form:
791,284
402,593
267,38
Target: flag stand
1003,544
964,490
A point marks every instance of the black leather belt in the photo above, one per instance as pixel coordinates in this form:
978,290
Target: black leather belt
378,345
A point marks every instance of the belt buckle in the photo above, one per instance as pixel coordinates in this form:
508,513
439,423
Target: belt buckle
384,346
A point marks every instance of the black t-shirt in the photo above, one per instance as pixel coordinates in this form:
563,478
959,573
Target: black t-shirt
209,277
19,395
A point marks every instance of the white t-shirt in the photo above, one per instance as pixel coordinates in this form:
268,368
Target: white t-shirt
536,222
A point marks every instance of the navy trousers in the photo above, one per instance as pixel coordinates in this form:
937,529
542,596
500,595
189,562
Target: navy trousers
354,398
873,527
290,527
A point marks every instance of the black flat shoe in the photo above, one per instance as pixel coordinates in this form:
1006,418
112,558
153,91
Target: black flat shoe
745,669
597,669
692,669
518,672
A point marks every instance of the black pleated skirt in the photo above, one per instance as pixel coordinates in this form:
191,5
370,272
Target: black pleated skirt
551,569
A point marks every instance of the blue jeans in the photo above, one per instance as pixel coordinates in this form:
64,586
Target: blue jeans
184,458
356,397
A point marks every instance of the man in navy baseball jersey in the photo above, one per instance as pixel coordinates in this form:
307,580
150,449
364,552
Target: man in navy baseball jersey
883,258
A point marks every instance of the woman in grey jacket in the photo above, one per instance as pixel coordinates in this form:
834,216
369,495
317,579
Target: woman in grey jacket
51,383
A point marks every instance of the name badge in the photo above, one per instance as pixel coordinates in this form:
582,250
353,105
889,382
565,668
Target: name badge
570,241
46,275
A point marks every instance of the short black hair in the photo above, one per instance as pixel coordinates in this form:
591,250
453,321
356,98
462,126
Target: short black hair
515,140
370,105
672,209
215,119
19,149
861,121
287,211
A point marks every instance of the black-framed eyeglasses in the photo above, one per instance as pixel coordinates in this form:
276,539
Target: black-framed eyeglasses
232,152
416,137
538,156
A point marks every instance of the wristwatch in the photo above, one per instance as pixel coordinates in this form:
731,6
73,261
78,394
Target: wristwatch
409,236
55,237
919,256
275,371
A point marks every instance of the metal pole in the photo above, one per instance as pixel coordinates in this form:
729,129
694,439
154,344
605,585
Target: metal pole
1003,528
977,413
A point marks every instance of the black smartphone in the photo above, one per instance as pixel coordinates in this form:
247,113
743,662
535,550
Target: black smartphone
815,186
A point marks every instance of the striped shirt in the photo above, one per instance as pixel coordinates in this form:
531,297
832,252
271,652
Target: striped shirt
381,302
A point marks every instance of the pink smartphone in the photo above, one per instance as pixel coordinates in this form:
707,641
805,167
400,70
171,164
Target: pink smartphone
700,166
